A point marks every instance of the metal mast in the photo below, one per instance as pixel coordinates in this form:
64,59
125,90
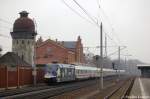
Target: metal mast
101,54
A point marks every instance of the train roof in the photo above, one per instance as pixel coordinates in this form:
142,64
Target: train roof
91,68
66,66
62,65
85,67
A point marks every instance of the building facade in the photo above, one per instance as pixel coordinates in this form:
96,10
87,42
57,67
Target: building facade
23,37
59,51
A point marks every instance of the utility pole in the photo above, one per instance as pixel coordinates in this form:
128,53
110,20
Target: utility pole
105,45
119,61
101,54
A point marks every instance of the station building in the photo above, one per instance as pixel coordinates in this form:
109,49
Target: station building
145,70
67,52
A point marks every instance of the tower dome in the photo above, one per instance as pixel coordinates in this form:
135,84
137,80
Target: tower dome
24,27
24,23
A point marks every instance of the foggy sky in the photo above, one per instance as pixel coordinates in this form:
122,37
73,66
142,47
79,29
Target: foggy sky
127,20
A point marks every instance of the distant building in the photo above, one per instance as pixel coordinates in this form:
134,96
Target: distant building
23,37
60,51
145,70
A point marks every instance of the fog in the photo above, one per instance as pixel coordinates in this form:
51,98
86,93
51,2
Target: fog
125,21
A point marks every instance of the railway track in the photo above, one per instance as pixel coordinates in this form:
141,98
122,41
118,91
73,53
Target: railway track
51,91
122,90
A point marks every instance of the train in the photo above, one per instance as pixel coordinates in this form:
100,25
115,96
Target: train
56,72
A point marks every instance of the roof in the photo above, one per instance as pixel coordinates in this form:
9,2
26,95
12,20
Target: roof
69,44
11,59
143,65
50,41
24,23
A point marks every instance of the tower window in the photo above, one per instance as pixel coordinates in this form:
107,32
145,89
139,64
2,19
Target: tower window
17,41
22,41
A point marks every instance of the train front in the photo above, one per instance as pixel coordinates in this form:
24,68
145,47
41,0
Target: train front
50,75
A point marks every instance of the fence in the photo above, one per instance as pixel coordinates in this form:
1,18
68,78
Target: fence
18,76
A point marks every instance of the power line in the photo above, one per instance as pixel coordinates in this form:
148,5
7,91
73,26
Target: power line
86,12
76,12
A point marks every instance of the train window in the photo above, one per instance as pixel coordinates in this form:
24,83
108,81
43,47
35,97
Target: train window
69,71
72,71
58,72
65,71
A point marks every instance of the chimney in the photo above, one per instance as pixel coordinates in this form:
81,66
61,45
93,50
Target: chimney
79,39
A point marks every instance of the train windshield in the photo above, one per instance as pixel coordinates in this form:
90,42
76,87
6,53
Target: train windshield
52,69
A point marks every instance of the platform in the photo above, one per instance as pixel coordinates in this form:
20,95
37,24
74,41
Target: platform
140,89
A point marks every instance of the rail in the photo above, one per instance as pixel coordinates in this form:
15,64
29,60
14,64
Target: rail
122,91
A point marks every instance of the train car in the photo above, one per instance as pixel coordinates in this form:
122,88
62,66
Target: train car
85,72
59,73
108,72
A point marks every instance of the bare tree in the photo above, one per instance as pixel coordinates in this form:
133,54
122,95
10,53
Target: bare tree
1,51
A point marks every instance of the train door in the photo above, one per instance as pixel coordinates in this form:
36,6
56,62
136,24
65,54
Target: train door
59,74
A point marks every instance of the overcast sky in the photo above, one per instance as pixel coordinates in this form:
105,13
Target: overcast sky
127,22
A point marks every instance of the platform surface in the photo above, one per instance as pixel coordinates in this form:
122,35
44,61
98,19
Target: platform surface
140,89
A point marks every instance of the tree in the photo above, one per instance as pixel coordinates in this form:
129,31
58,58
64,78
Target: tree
1,51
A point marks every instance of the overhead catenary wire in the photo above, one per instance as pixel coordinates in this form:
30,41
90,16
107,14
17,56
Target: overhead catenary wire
84,10
76,12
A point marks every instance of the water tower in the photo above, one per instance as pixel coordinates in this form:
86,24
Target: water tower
23,37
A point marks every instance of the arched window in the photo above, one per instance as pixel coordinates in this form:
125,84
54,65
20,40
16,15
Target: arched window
28,42
17,41
22,57
22,41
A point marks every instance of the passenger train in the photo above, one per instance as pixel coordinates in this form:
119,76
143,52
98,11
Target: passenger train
56,72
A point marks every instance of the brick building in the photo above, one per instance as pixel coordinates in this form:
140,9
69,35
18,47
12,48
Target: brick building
60,51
